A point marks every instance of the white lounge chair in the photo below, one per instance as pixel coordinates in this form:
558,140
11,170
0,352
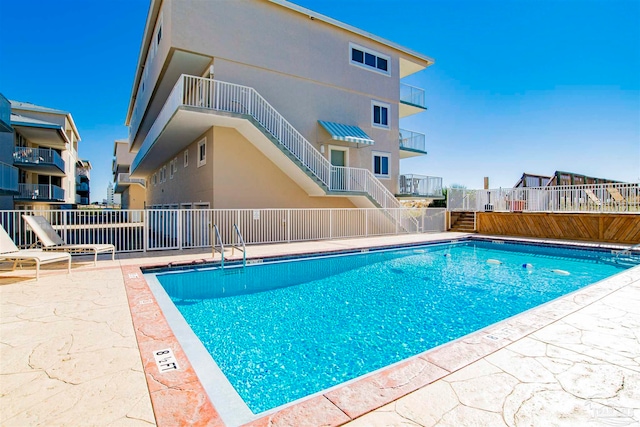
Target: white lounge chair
51,241
10,252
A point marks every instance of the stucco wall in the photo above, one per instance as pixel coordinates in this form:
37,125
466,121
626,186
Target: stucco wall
236,175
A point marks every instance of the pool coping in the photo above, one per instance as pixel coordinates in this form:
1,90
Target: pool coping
178,397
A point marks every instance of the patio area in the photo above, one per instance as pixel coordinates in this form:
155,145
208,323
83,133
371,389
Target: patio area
73,354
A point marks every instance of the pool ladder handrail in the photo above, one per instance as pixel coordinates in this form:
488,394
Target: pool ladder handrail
218,239
629,251
243,248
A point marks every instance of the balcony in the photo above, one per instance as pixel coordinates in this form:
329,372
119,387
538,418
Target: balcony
5,114
412,100
124,180
82,187
8,179
412,144
420,186
41,192
44,161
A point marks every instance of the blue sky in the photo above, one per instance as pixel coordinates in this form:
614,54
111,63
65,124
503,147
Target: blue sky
518,85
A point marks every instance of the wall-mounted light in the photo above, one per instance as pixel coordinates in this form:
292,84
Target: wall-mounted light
322,149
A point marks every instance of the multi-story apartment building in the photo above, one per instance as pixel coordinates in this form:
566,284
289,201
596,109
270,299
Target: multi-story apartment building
8,172
83,176
43,146
265,104
132,190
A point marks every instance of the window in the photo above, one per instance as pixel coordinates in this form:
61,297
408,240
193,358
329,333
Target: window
163,174
154,179
186,158
369,59
173,167
202,152
380,114
381,164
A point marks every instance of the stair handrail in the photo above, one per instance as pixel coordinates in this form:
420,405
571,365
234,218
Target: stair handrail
217,239
246,100
244,247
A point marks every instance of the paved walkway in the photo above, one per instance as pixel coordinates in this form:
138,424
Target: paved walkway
69,355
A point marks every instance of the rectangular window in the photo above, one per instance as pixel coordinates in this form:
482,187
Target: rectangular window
369,59
186,158
380,114
173,167
202,152
154,179
381,164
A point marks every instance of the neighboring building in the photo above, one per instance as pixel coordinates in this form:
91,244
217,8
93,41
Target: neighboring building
558,178
83,168
132,190
110,200
265,104
8,172
42,143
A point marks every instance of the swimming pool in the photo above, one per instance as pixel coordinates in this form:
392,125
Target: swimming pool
281,331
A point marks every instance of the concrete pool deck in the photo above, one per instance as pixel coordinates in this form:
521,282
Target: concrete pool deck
77,350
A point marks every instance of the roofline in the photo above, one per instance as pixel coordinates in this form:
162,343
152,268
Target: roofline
40,109
154,9
314,15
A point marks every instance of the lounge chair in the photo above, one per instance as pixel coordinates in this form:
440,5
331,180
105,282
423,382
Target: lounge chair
51,241
618,198
591,195
10,252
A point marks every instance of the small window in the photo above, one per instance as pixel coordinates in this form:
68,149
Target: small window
381,165
186,158
173,167
380,114
369,59
202,152
154,179
159,36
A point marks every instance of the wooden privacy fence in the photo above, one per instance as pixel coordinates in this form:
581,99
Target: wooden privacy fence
595,227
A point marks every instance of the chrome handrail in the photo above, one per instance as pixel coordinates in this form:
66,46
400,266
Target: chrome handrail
243,249
218,239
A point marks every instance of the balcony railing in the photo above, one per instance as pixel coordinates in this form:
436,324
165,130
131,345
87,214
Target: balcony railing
125,178
8,179
412,95
82,187
26,156
413,141
420,186
40,192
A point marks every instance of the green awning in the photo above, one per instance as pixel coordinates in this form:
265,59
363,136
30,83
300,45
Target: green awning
347,133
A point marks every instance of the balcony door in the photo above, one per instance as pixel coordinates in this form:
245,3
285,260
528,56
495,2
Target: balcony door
339,156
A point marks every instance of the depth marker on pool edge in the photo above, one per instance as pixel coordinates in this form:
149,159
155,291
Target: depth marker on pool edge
165,360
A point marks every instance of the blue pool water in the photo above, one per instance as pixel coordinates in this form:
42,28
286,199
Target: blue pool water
282,331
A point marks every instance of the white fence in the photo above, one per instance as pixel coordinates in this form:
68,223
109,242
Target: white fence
163,229
619,197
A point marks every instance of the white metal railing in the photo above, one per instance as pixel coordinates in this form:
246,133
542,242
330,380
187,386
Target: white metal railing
38,156
125,178
413,140
228,97
8,178
165,229
40,192
412,95
615,197
420,185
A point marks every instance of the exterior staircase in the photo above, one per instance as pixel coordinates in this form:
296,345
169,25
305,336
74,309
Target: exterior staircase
462,222
245,102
